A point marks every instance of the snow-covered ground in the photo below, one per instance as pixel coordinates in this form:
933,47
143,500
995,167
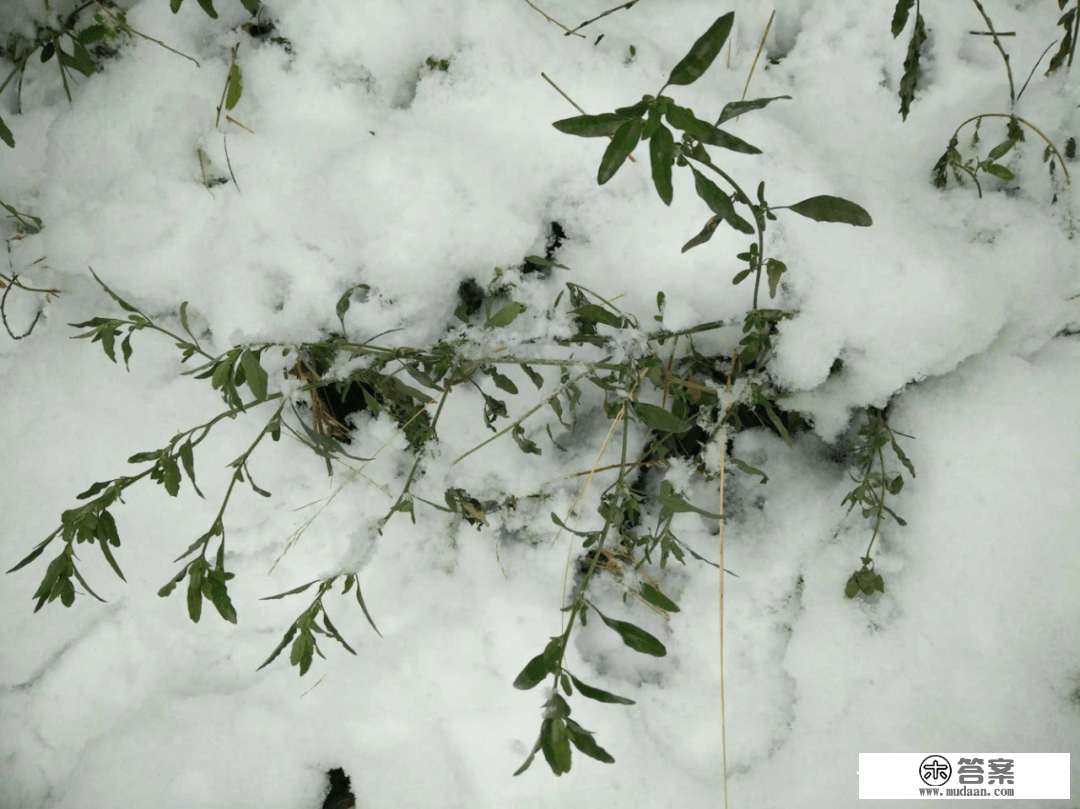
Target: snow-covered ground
367,166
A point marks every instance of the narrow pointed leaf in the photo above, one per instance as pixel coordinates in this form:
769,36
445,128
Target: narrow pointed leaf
900,16
622,144
504,317
208,7
556,746
363,606
598,694
5,134
583,741
827,208
704,51
733,109
291,592
662,156
591,126
658,599
254,374
660,419
535,750
635,637
705,234
236,86
672,501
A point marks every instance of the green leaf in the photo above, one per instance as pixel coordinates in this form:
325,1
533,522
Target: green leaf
236,86
997,170
284,642
533,375
635,637
592,126
740,277
537,669
636,110
107,552
733,109
851,589
291,592
671,501
143,457
187,458
719,202
300,654
657,418
599,695
83,61
363,606
92,34
704,51
505,316
900,16
5,134
583,741
902,457
683,119
662,156
543,262
535,750
175,5
208,7
658,599
170,476
748,469
827,208
503,382
594,313
625,139
556,746
911,64
776,422
705,234
251,5
220,597
97,487
254,373
1001,149
194,593
775,268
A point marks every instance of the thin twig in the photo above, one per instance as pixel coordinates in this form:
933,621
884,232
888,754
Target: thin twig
225,143
552,20
3,314
1001,50
129,29
228,81
761,46
1075,36
723,706
1034,67
631,4
990,33
234,122
574,104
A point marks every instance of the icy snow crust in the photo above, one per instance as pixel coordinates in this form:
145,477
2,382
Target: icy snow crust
367,167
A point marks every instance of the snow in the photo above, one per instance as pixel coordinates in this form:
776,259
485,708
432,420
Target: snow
365,166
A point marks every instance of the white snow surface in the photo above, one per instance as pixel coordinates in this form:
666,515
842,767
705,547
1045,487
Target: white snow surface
365,166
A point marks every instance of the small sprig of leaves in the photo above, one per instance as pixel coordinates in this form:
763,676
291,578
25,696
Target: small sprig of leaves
910,78
875,484
1070,21
304,629
952,161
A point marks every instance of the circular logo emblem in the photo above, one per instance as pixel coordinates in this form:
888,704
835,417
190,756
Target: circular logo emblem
935,771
